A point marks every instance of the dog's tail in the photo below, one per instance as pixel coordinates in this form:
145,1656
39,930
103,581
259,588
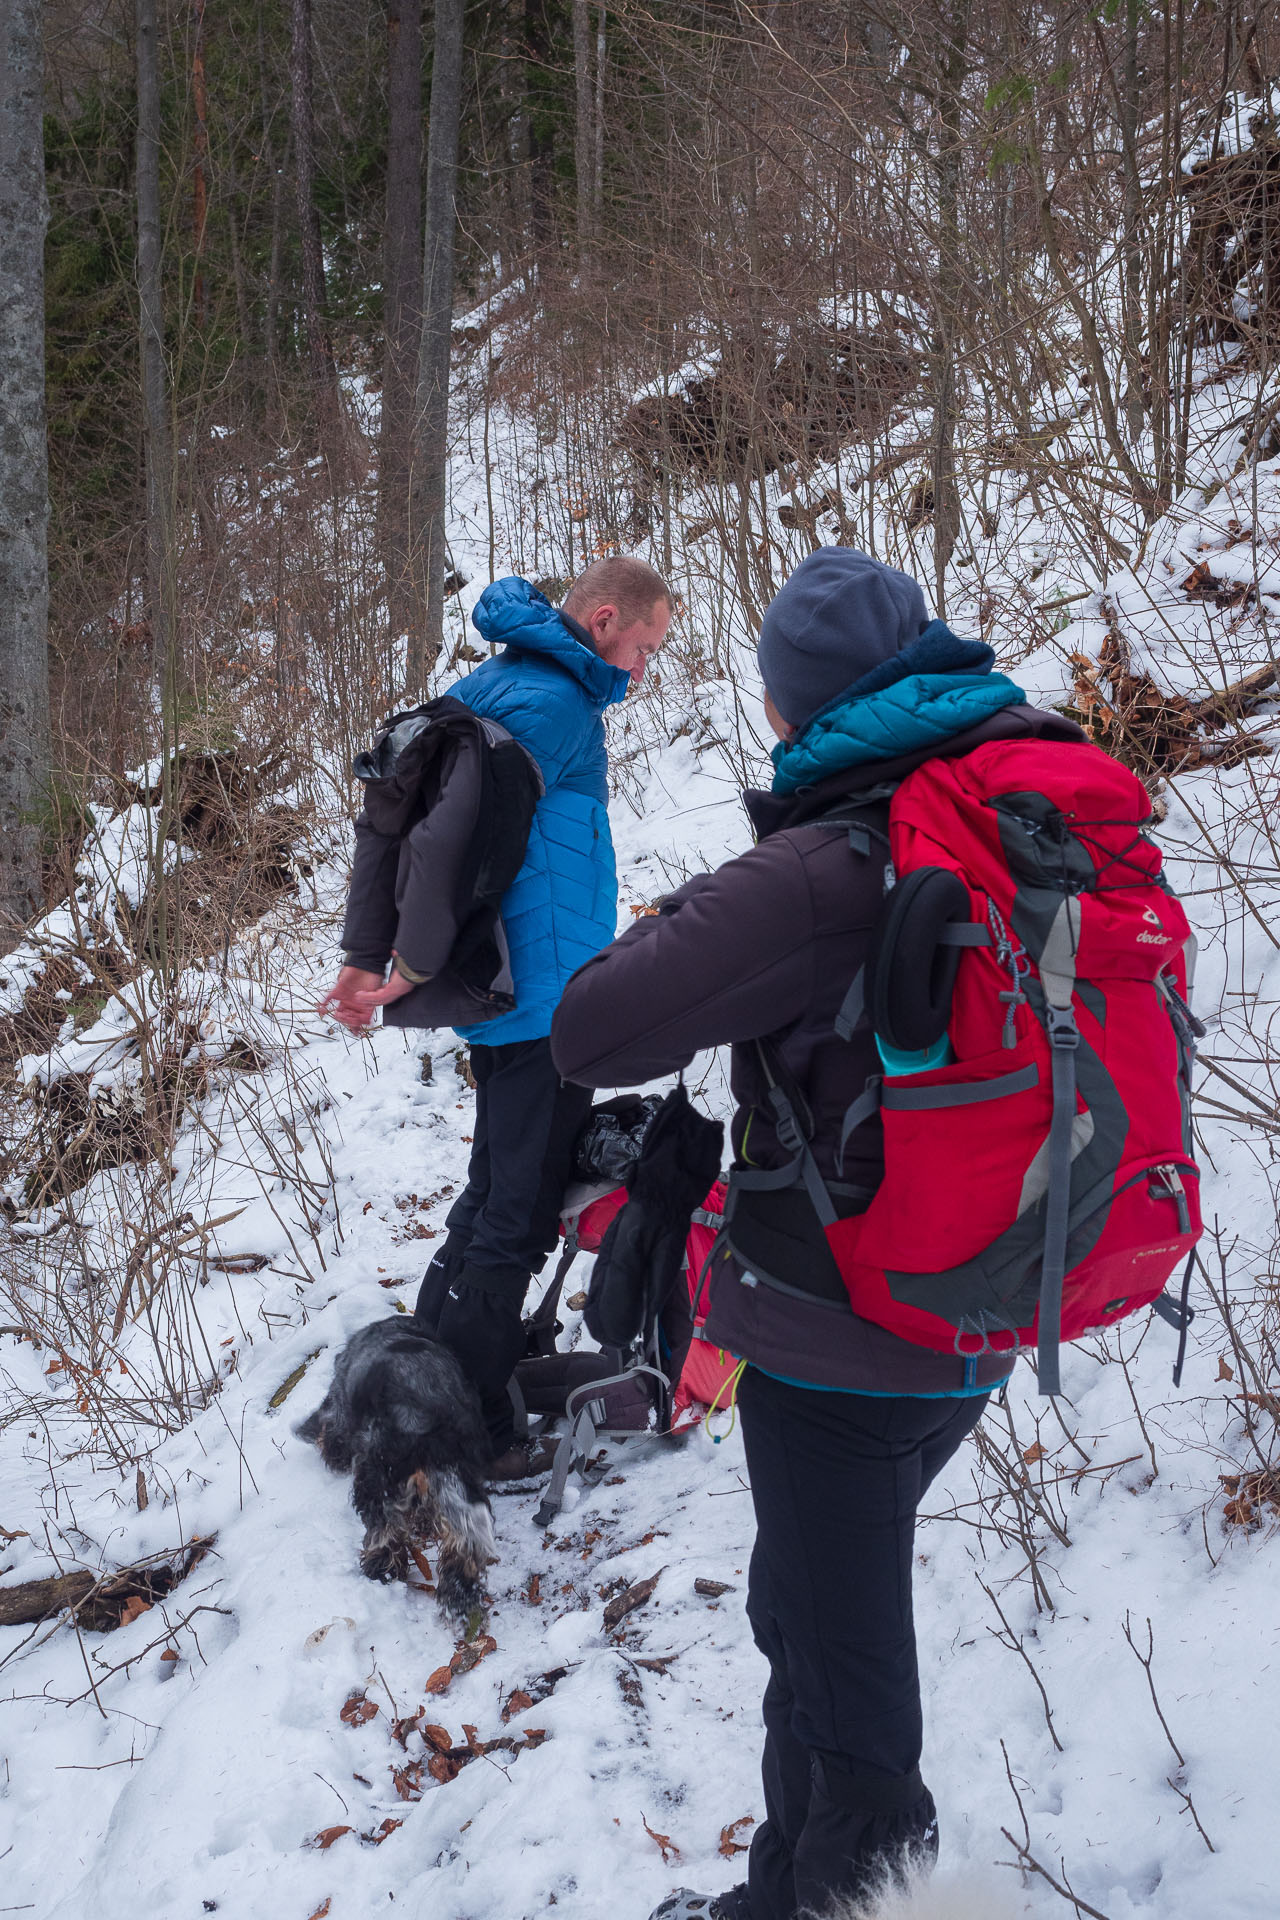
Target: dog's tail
924,1896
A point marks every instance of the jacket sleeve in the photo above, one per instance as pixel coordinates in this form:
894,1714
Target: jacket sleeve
728,957
437,847
369,928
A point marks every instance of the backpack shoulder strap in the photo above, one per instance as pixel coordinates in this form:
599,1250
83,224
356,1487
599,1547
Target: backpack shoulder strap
793,1119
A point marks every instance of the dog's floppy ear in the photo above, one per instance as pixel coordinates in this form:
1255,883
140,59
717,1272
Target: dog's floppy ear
309,1429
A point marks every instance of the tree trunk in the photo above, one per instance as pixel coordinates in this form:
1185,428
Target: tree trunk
319,350
597,183
583,144
156,438
278,170
402,298
946,494
541,140
200,161
1134,407
24,490
431,421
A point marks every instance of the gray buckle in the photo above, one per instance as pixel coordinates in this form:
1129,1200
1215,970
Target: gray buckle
1062,1028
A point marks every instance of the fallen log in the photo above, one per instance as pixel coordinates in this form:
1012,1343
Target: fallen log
100,1601
1158,733
36,1599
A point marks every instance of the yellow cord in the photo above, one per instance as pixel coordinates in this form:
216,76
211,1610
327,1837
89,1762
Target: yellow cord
731,1386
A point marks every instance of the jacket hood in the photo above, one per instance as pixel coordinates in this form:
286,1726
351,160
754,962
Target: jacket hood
937,686
772,812
512,613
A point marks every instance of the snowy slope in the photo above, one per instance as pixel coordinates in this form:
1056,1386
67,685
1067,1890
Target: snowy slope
174,1787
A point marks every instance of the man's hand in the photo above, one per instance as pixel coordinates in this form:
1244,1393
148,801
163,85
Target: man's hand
357,993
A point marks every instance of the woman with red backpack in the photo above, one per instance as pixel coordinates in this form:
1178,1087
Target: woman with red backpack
845,1420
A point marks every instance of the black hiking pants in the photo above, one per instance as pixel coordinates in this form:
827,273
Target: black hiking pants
506,1220
836,1479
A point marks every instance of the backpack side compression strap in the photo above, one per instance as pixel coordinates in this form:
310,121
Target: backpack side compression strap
1064,1038
1057,963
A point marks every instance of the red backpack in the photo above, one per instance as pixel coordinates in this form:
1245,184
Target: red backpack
1041,1183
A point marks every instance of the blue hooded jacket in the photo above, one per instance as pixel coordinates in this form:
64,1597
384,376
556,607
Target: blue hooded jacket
549,691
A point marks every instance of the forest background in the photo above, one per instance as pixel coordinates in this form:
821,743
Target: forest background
315,318
843,215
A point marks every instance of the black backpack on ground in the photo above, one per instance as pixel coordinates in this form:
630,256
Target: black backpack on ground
494,785
637,1303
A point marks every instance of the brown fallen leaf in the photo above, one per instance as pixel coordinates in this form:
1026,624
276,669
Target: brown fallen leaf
440,1680
358,1710
729,1841
444,1767
438,1738
658,1664
132,1607
323,1840
411,1723
1224,1371
517,1702
322,1909
407,1780
472,1738
1033,1453
632,1597
472,1652
664,1843
384,1832
533,1591
423,1565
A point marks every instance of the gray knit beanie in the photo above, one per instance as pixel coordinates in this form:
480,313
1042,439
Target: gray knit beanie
840,614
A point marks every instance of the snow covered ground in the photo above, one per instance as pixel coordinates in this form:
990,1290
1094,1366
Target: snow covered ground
1098,1641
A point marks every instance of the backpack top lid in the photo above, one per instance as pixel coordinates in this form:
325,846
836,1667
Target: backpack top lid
1031,824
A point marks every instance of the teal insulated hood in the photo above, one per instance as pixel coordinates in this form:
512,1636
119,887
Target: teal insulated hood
937,686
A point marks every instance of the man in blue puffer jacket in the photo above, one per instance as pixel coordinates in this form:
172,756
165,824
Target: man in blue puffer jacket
548,688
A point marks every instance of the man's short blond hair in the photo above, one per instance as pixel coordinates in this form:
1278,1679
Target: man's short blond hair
632,586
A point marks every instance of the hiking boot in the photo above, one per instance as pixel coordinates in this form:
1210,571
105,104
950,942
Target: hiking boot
523,1460
683,1905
